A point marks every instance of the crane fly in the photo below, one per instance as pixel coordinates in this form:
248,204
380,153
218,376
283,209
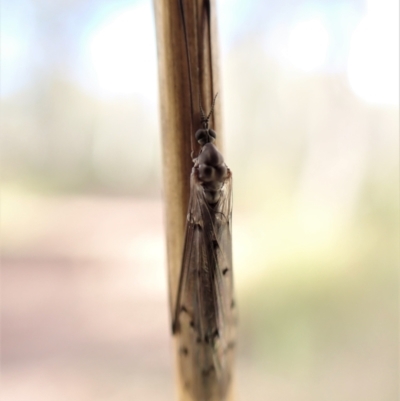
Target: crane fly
204,317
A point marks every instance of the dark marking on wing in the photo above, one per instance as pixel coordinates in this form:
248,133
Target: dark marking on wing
209,338
225,271
230,347
206,372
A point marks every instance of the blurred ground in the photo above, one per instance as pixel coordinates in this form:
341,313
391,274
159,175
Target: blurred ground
84,307
84,310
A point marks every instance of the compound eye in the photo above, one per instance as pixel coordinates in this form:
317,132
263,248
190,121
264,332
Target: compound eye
213,134
201,136
204,136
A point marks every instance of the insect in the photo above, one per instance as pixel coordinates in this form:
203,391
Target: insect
204,318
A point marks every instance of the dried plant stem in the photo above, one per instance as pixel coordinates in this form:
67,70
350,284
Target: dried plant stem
180,110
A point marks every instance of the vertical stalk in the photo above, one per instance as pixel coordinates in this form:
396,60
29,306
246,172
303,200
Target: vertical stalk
180,111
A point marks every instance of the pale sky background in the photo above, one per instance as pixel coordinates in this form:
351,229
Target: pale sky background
103,41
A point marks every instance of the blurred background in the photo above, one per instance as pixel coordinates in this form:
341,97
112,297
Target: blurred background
310,97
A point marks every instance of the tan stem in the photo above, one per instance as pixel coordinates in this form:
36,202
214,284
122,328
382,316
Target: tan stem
178,121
